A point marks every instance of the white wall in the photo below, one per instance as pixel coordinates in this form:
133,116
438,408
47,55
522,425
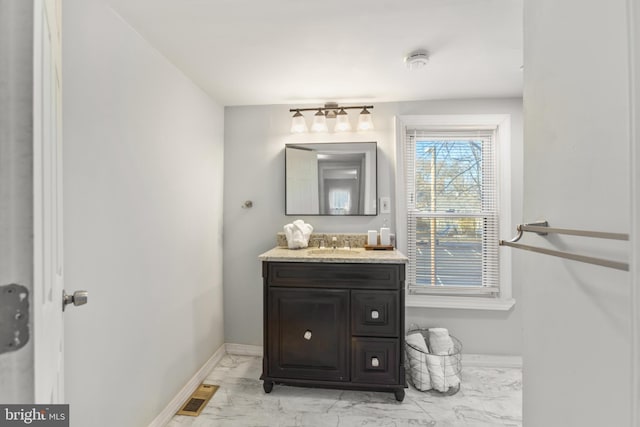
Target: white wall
255,137
576,175
16,181
143,221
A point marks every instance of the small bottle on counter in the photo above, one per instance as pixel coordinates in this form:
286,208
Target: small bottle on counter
372,238
385,234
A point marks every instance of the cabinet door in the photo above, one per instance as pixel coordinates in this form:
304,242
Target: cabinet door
307,331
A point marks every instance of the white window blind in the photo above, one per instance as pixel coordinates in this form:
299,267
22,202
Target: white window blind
452,212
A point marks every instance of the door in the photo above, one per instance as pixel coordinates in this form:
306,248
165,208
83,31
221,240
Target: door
308,333
47,204
634,31
575,180
302,181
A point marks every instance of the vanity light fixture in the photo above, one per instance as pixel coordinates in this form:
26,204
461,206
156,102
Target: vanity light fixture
298,124
331,110
364,120
342,121
319,122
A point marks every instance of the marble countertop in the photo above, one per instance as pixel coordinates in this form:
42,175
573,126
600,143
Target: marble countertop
353,255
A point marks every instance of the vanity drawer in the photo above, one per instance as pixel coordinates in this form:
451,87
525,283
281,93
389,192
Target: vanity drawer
375,360
375,313
334,275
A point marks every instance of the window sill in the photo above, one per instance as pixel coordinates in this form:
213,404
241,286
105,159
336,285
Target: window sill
464,303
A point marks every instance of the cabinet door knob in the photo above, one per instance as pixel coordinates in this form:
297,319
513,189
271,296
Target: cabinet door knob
375,314
307,335
375,362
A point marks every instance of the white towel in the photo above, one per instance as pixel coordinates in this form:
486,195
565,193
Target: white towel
442,366
417,361
440,342
298,234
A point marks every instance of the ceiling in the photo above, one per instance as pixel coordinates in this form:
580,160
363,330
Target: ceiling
252,52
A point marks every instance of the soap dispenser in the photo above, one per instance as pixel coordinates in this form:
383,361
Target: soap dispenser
385,234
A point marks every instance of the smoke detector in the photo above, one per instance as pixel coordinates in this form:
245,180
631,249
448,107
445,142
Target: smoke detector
417,59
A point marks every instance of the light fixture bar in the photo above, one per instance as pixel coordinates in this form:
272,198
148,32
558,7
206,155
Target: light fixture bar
332,107
331,110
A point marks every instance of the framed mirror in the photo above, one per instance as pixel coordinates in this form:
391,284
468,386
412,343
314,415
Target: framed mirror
331,179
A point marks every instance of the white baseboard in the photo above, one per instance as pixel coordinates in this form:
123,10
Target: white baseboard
165,416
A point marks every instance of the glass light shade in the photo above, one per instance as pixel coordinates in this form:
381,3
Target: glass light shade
319,122
342,121
298,123
364,120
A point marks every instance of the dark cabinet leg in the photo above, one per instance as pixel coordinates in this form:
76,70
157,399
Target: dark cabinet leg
268,386
399,394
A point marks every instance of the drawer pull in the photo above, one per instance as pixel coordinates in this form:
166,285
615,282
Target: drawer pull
307,335
375,362
375,314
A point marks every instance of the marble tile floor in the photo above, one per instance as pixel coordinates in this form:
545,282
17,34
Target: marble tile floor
488,397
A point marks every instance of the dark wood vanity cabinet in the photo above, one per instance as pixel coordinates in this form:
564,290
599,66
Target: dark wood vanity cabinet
334,325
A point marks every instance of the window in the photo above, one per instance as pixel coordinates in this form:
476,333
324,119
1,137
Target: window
449,194
339,201
452,216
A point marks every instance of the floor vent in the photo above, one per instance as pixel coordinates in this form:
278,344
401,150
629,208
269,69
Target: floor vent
198,400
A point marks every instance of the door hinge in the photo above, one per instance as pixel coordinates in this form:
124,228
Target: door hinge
14,317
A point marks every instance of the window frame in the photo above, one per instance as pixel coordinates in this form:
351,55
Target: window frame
500,125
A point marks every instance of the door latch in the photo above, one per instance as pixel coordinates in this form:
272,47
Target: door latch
78,298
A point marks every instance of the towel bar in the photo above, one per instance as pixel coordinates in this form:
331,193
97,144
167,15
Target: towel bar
543,229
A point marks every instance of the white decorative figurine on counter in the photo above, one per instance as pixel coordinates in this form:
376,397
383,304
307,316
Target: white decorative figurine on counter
298,234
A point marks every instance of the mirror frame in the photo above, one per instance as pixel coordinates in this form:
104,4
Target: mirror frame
316,145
